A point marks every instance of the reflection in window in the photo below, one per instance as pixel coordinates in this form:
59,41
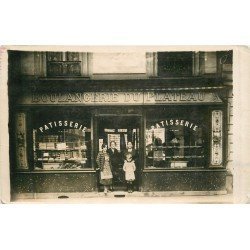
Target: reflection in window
175,143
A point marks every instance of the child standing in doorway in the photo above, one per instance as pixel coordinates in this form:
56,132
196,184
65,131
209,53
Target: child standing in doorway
129,169
104,165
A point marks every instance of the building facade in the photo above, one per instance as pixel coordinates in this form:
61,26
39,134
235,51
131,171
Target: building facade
175,108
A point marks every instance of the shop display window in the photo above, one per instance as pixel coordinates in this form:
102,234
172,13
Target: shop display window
176,138
62,141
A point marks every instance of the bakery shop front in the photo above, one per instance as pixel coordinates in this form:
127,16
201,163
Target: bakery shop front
177,134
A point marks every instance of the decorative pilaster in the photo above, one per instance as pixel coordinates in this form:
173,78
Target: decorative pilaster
21,141
216,139
90,64
151,64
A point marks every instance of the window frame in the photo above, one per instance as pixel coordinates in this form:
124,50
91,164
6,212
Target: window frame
30,147
206,137
174,56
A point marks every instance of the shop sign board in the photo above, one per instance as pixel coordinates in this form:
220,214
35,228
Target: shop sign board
119,98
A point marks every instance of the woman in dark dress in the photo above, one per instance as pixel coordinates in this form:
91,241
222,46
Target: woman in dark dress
130,149
115,159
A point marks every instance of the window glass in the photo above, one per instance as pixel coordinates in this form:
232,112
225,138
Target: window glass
175,63
63,64
176,138
62,140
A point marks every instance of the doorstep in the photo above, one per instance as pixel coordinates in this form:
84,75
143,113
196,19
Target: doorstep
125,197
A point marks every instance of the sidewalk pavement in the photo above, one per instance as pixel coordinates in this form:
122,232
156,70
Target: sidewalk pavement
209,197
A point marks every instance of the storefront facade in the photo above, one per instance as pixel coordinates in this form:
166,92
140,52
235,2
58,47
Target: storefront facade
177,126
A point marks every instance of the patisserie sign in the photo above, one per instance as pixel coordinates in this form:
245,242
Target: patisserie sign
62,124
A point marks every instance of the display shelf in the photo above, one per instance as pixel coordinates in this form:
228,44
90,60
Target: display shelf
175,147
179,157
62,149
68,149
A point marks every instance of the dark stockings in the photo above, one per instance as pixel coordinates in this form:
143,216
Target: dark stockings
130,186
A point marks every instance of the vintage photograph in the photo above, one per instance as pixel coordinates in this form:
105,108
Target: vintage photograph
125,124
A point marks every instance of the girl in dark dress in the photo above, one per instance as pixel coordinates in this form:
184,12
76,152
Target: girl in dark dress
103,162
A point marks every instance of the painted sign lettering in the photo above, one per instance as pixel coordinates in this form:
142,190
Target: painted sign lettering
175,122
113,98
62,124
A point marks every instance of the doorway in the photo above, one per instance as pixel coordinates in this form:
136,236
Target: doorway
120,129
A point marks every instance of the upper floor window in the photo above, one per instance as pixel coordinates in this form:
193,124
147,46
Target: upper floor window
175,63
63,64
226,65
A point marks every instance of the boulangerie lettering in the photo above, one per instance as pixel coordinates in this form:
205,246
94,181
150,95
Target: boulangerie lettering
136,97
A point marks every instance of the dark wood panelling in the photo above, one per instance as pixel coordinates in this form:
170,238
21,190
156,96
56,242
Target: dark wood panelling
54,182
183,181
